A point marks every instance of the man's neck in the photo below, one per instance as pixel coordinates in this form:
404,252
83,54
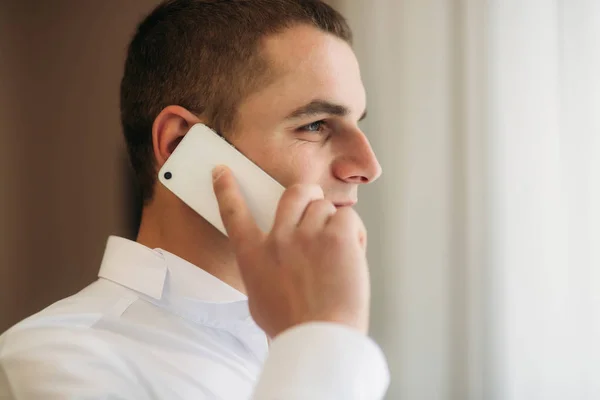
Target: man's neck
187,235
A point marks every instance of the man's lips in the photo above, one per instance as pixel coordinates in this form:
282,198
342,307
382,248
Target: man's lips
344,204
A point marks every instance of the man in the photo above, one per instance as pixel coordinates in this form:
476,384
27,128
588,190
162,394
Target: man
184,312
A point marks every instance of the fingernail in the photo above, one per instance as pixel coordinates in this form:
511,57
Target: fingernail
217,172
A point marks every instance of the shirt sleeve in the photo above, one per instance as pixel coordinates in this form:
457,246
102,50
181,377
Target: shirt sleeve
323,361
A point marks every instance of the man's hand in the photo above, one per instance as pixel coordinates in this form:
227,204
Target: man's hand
310,267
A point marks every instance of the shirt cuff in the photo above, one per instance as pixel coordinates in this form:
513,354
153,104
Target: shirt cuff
323,361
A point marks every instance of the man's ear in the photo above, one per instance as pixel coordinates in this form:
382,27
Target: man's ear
170,126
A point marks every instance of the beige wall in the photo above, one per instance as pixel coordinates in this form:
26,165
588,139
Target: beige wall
63,172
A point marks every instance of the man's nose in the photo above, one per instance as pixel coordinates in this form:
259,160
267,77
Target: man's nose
356,162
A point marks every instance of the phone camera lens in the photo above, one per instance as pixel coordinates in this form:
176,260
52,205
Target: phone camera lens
168,175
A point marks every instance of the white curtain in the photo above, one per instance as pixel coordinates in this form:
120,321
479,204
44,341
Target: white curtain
484,229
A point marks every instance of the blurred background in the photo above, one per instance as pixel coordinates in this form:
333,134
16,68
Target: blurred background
484,230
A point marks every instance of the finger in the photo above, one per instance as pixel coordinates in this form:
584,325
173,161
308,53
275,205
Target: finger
293,203
347,222
237,218
316,215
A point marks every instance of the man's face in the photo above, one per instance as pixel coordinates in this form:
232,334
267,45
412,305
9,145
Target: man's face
303,126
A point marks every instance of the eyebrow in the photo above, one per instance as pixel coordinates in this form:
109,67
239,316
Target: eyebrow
316,107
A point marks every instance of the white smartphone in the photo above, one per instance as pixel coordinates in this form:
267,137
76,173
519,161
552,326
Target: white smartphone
188,174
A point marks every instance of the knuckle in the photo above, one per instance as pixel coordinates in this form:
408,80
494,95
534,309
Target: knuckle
278,246
314,206
350,217
304,235
334,238
279,238
324,204
349,213
227,212
320,207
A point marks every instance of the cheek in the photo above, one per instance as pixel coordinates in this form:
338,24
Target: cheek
301,163
286,160
305,167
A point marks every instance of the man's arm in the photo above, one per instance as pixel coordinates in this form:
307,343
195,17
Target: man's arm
323,361
308,288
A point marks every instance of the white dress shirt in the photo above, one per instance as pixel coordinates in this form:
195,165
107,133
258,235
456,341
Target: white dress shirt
154,326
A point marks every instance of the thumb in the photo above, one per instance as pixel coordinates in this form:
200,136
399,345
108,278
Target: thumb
237,218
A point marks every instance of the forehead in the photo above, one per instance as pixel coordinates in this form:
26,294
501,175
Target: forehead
308,64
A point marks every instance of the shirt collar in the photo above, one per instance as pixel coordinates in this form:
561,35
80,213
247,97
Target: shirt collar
175,284
189,281
156,272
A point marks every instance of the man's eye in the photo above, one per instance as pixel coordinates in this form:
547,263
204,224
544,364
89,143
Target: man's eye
313,127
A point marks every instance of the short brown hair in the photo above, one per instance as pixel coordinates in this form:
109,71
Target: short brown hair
203,55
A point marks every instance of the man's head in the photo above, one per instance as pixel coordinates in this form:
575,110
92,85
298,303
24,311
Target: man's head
276,77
